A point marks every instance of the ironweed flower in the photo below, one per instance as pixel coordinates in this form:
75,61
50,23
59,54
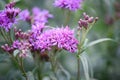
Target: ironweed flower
8,16
23,46
40,16
72,5
62,38
25,15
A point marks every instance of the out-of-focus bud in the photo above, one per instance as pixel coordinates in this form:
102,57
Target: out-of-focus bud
86,21
10,5
109,20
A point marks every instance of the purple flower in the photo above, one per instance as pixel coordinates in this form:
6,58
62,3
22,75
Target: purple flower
72,5
37,29
8,17
25,15
62,38
40,16
23,46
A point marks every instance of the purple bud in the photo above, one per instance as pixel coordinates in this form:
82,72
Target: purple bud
83,23
10,5
90,20
86,17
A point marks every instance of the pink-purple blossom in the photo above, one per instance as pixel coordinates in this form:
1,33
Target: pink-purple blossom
62,38
40,16
8,16
25,15
72,5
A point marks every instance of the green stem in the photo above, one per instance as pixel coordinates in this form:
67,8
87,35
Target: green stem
9,36
78,71
38,64
3,35
53,63
22,68
67,19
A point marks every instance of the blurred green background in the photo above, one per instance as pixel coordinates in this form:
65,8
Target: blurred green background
103,58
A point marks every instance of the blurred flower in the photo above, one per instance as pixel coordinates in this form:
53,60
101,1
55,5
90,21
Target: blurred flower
25,15
117,6
68,4
62,38
109,20
40,16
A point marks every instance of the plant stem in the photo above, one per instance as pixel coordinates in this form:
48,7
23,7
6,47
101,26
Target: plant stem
38,64
67,18
20,65
22,68
53,63
78,72
3,35
9,36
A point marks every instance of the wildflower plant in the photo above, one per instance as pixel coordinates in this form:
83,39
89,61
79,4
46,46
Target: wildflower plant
42,42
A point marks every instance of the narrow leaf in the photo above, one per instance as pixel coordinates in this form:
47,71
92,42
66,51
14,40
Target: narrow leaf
98,41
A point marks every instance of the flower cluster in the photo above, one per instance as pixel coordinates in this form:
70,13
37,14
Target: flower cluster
38,19
21,35
69,4
23,46
62,38
86,21
38,16
8,16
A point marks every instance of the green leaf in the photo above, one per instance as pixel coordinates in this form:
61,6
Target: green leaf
30,76
85,65
16,52
98,41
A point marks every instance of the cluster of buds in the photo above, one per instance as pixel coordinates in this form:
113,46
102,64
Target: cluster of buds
23,47
7,48
86,21
117,10
20,34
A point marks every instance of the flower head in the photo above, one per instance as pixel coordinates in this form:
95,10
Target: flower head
62,38
40,16
25,15
8,16
68,4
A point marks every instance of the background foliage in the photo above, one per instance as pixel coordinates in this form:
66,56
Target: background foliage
103,58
